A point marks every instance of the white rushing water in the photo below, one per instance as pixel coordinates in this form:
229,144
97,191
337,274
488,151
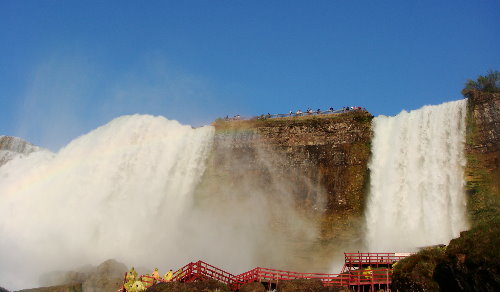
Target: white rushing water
113,193
417,189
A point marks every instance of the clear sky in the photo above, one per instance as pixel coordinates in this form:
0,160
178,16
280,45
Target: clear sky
67,67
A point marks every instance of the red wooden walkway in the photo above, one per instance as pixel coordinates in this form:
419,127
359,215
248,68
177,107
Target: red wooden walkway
355,274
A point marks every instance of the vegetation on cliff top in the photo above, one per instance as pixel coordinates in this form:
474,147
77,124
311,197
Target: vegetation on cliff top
481,174
311,120
488,83
414,273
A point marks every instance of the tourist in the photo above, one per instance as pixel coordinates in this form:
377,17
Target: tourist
156,275
168,276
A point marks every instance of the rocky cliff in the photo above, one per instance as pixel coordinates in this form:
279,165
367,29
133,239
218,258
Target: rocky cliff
322,160
483,150
11,147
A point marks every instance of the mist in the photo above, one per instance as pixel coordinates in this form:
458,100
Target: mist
139,190
70,92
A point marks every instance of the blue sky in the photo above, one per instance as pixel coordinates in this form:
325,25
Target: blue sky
67,67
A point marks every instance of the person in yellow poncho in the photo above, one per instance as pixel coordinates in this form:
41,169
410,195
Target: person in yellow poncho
131,275
128,286
130,279
156,275
138,286
168,276
368,272
179,274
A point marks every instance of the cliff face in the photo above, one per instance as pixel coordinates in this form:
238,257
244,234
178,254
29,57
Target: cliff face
322,158
482,150
11,147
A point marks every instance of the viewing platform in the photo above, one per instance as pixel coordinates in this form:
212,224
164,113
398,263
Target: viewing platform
361,272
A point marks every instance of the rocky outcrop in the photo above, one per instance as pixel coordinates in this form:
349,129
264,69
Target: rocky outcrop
321,161
107,277
300,285
414,273
253,287
11,147
331,151
208,285
472,261
483,160
61,288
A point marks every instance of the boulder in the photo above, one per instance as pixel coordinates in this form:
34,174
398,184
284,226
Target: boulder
472,261
108,276
414,273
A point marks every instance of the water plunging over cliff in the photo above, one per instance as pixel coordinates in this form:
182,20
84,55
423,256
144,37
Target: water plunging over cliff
150,192
417,189
117,192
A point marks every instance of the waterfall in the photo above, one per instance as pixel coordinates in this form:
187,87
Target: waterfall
416,193
116,192
150,192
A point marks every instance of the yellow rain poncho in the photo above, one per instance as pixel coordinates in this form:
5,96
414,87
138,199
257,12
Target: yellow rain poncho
168,276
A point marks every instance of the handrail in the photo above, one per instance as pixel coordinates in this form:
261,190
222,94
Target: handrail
373,258
372,276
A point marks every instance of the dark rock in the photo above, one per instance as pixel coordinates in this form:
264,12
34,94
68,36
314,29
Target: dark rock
60,288
11,147
472,261
208,285
108,277
253,287
62,278
482,150
415,272
322,161
301,285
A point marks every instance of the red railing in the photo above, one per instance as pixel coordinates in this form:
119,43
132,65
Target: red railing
355,274
376,279
360,260
199,271
273,275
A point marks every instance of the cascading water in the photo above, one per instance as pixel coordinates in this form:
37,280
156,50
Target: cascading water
136,190
117,192
416,192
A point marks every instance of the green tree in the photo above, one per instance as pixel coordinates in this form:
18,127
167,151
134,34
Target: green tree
488,83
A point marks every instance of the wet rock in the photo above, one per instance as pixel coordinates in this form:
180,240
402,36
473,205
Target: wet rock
12,147
414,273
253,287
205,286
108,276
472,261
60,288
301,285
